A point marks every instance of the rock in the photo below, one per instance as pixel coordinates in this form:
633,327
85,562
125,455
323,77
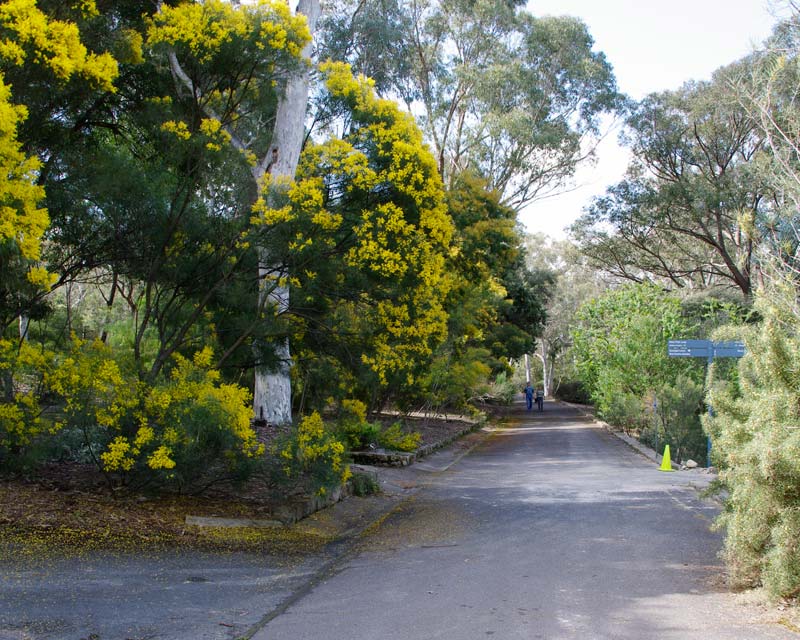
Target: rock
691,464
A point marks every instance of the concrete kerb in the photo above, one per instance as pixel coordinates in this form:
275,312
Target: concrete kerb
633,443
294,511
401,459
701,487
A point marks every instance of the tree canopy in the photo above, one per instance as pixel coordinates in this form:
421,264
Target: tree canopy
695,204
521,113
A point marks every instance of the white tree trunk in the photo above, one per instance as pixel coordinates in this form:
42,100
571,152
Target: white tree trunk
546,373
24,322
272,398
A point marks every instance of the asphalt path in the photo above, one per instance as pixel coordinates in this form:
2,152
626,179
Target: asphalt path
549,527
168,596
552,528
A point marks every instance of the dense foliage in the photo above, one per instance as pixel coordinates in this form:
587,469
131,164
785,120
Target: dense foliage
620,350
148,245
369,231
756,434
709,208
156,251
754,427
695,205
522,112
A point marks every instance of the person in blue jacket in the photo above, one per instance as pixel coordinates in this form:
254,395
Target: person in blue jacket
529,396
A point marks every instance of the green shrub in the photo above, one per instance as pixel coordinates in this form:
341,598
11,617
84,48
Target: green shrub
452,381
573,391
184,430
364,484
679,409
358,436
755,432
395,438
313,457
625,410
352,427
504,388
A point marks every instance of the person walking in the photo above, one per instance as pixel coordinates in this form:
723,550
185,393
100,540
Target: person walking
540,399
529,396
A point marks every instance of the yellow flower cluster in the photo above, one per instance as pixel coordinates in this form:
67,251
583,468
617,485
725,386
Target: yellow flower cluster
150,421
205,27
210,133
355,408
57,44
23,365
21,220
30,37
180,129
217,137
404,241
387,243
315,451
117,456
14,428
283,30
94,388
160,459
202,27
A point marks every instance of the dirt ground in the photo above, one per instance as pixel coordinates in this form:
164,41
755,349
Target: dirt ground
70,506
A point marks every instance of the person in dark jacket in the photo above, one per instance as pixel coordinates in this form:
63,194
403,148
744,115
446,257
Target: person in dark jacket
529,396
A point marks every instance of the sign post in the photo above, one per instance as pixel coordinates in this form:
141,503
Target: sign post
708,350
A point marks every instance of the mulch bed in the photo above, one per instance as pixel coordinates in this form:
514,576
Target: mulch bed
70,505
432,429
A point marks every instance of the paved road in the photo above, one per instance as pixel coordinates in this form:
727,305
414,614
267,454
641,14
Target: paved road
551,529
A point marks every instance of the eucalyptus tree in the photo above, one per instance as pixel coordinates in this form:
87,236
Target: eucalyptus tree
515,98
272,395
769,94
695,203
575,282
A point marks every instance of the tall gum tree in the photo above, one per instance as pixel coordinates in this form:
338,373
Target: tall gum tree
694,205
272,396
273,165
513,97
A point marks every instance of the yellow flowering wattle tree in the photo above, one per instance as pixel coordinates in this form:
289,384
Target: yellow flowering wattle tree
146,162
35,49
369,233
158,214
40,56
184,430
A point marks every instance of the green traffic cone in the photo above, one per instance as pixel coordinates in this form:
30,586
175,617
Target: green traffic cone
666,462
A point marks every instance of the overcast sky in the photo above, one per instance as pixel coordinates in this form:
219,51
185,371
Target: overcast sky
653,46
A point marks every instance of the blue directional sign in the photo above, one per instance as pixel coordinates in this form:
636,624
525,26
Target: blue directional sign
689,348
734,349
704,349
708,350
